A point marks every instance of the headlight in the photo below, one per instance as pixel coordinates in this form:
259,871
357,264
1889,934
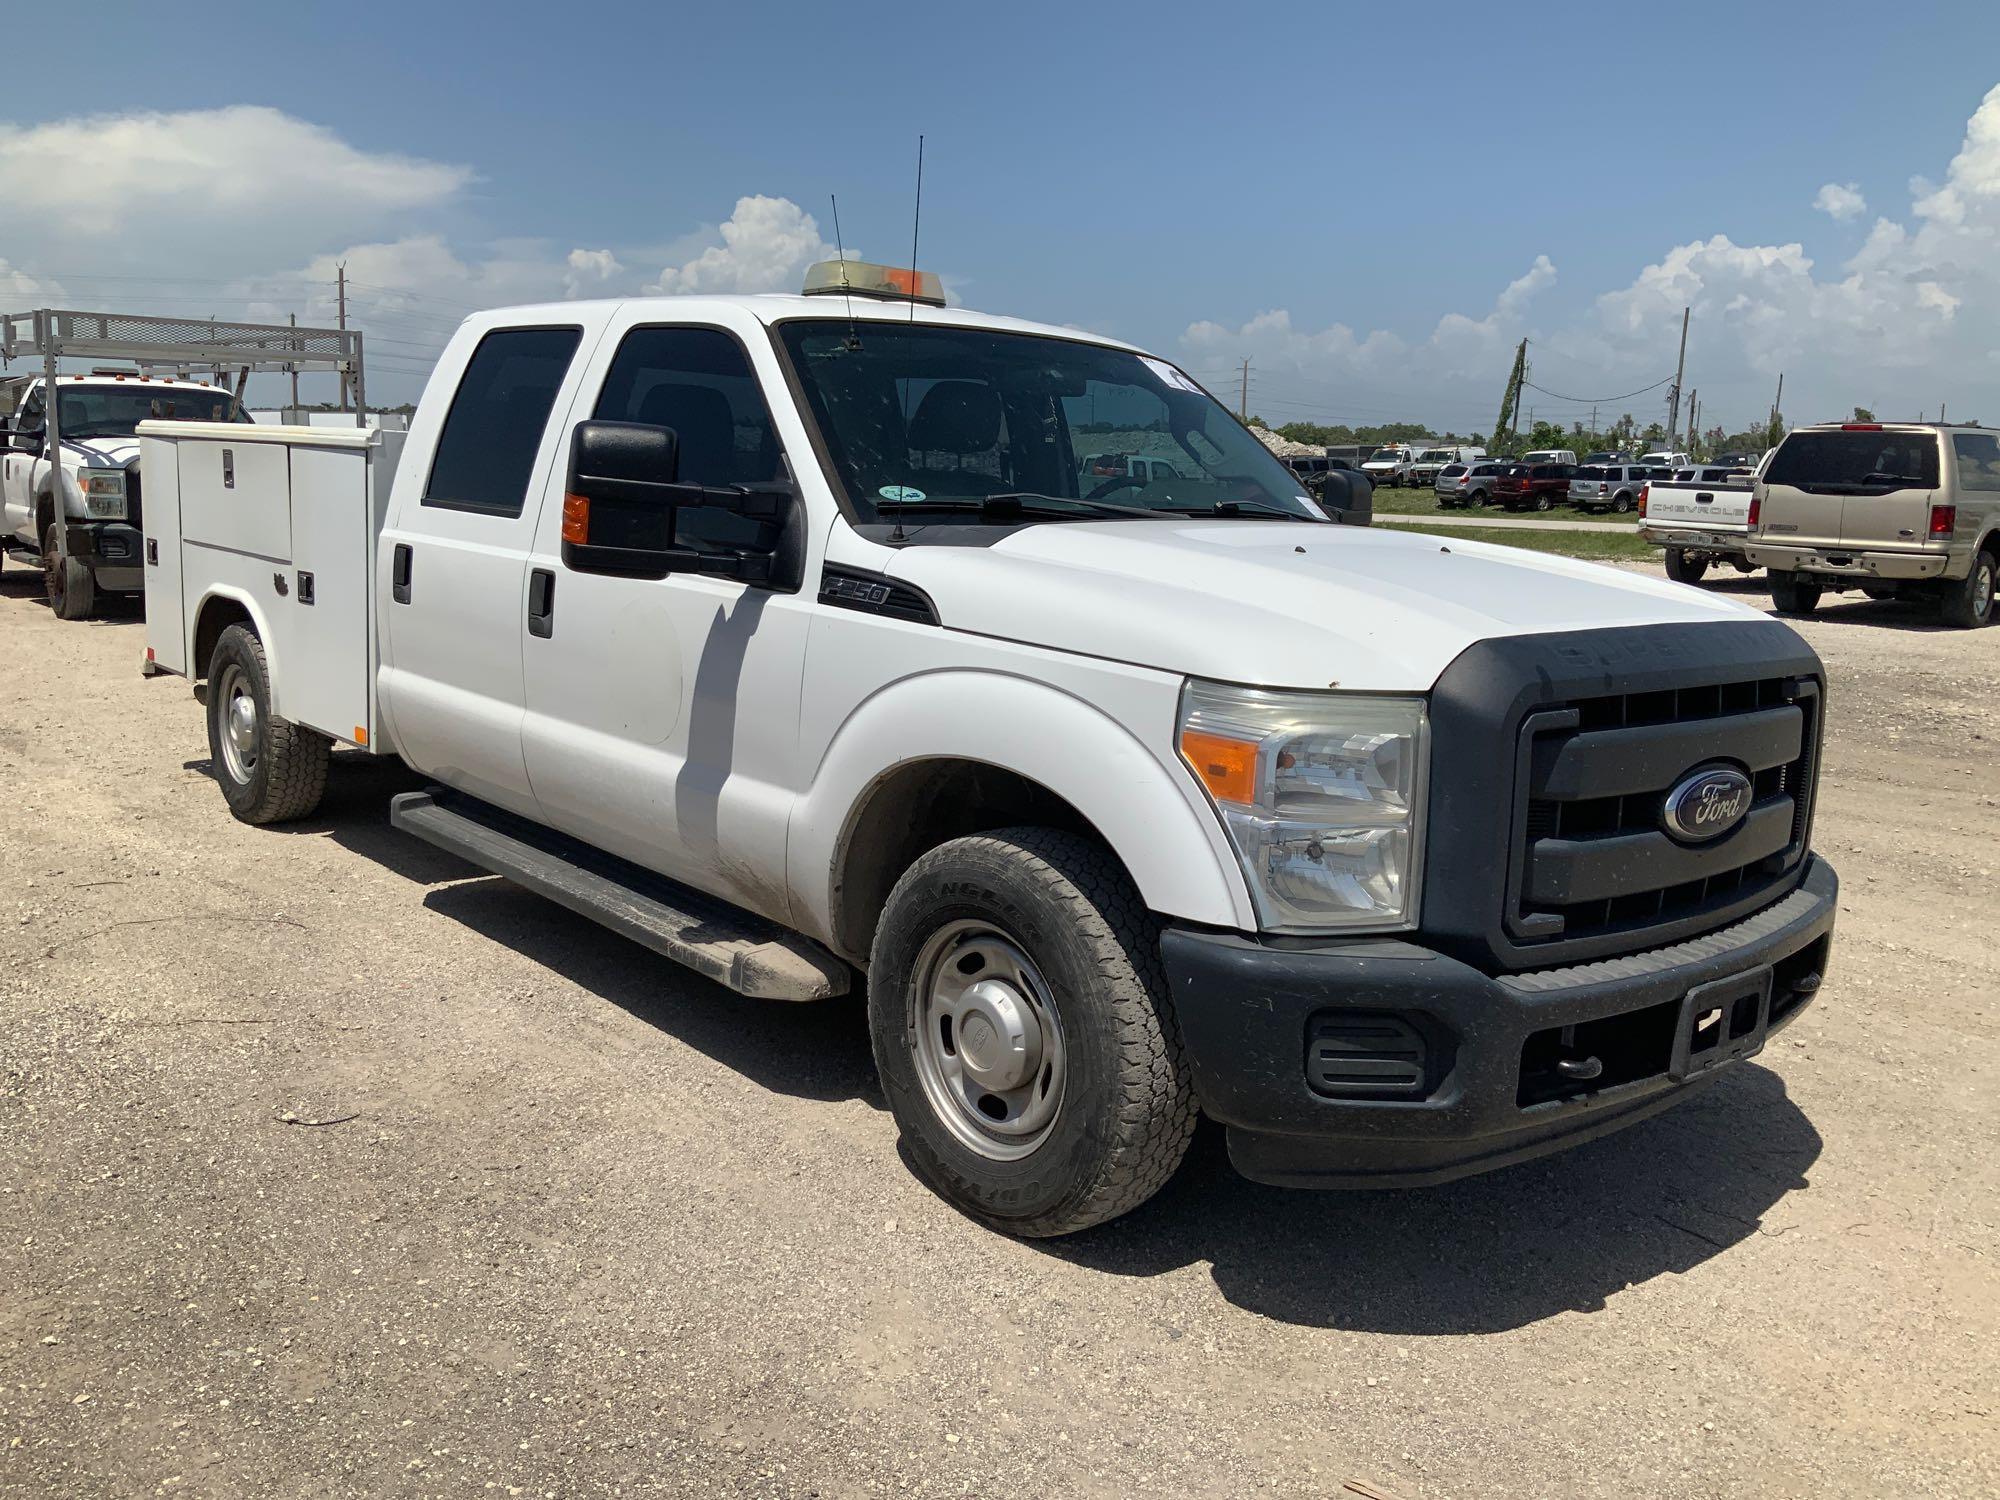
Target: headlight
103,493
1321,794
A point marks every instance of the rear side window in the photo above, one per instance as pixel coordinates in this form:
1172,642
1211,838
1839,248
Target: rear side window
497,418
1978,461
1451,471
698,381
1587,472
1860,462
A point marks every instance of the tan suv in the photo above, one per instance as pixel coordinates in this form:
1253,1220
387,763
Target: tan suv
1897,509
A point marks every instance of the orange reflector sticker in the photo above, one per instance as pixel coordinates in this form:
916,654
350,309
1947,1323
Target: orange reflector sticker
1228,768
576,520
360,734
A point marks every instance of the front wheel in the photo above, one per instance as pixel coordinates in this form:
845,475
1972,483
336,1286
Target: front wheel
1684,566
1023,1032
1968,603
70,586
1793,595
270,769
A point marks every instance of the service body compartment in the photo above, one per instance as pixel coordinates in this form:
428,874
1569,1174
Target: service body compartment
282,521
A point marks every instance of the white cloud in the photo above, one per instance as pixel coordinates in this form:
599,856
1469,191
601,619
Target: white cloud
1840,200
112,175
767,243
589,268
1911,318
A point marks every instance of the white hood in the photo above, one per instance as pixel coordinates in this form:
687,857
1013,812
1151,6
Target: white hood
100,452
1280,604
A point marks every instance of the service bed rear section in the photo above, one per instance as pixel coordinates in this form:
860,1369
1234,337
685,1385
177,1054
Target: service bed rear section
279,524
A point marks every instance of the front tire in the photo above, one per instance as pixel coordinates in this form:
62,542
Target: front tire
270,769
1684,566
1793,595
1023,1032
1968,603
71,588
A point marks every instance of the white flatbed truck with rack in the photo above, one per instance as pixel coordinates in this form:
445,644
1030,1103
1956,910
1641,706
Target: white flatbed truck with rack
785,636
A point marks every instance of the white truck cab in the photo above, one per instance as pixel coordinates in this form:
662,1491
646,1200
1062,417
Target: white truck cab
793,638
93,484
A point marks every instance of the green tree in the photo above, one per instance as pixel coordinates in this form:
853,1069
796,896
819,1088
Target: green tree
1863,414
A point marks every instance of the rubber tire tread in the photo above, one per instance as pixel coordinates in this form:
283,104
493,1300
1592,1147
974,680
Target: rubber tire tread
290,776
1790,597
80,587
1683,570
1147,1118
1956,605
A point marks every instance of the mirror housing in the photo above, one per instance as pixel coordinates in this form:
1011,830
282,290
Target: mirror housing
29,441
1346,495
622,505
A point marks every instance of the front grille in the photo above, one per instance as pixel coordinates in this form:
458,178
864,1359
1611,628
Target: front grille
1589,857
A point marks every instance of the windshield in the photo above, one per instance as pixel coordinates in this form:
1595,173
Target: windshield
1434,454
84,411
921,415
1859,462
1385,456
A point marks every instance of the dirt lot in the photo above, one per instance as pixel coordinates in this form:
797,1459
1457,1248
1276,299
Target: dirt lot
587,1226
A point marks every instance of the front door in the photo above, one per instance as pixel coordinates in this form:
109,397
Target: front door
452,562
662,714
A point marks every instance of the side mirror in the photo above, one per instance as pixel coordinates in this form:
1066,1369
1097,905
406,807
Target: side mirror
25,442
622,505
1348,497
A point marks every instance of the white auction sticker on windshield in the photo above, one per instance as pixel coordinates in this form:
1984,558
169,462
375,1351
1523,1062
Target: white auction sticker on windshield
1169,374
899,492
1311,505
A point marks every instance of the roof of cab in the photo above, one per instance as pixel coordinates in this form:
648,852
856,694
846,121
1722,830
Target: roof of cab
778,307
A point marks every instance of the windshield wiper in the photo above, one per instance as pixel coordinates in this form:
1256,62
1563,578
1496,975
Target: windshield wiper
1251,508
1877,476
1020,502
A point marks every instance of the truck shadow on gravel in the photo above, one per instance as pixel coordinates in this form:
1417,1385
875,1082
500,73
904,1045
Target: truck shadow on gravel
1487,1253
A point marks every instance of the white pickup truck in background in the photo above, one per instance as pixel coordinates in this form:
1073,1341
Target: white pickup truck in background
1701,517
788,637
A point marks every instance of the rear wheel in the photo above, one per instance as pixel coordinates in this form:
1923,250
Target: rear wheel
1479,498
1684,566
1543,502
1023,1032
1793,594
1968,603
71,590
1621,503
270,769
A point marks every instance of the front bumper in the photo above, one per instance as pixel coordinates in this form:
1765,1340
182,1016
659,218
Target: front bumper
114,551
1721,543
1492,1085
1834,562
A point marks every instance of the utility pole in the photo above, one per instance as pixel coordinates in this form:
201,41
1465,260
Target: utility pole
341,272
1680,369
1243,400
1694,421
295,375
1593,424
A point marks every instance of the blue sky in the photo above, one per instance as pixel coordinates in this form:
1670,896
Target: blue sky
1173,174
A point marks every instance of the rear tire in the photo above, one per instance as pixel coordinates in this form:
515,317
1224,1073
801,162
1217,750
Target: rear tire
1543,502
71,588
1793,595
1072,968
1622,504
270,769
1968,603
1684,566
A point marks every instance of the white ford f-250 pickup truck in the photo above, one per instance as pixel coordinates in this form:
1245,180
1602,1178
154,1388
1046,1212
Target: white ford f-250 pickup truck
96,473
786,636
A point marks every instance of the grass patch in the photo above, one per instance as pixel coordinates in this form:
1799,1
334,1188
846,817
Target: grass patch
1596,546
1423,502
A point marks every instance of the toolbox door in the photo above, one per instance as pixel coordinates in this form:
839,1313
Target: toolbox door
160,516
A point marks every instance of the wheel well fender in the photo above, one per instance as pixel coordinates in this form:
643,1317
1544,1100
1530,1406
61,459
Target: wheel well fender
934,757
220,608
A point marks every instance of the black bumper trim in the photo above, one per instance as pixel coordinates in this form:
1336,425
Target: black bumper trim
1245,1006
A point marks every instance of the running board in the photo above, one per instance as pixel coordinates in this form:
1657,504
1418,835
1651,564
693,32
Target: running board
733,947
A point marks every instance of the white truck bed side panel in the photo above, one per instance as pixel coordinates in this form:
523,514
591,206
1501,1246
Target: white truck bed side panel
237,495
160,506
329,666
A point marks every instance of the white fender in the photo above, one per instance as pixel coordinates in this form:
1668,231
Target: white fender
1154,818
258,620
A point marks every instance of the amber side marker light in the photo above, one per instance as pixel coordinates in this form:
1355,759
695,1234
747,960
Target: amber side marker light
1227,767
576,520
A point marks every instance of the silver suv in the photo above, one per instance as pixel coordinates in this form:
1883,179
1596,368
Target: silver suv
1899,510
1613,487
1468,484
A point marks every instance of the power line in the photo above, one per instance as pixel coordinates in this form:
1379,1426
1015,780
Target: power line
1599,400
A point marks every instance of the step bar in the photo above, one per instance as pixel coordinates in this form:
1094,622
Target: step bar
733,947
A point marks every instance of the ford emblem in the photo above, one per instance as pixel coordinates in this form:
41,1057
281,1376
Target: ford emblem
1706,803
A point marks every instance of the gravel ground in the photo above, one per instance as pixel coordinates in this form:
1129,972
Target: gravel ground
328,1168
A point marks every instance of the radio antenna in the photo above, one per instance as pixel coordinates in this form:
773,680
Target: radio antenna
916,223
847,292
